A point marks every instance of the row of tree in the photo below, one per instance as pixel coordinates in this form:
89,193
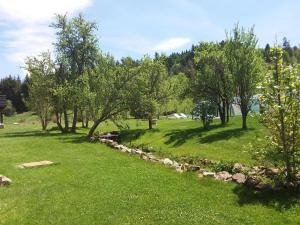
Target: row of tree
82,83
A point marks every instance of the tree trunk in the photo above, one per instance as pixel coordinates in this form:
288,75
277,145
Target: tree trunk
87,123
222,114
244,117
244,111
58,122
150,122
227,111
75,111
93,128
66,129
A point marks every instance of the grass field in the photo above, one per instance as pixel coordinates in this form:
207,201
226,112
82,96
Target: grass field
177,138
93,184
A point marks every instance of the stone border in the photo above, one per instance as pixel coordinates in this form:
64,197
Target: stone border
4,181
238,177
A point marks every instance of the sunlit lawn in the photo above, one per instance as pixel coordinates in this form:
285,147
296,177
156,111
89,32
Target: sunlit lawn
93,184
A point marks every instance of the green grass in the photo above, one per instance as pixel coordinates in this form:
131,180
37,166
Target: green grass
178,138
93,184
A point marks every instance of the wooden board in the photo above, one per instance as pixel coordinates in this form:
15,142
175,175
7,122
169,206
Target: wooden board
35,164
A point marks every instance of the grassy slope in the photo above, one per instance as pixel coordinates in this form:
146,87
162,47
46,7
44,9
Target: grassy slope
187,138
96,185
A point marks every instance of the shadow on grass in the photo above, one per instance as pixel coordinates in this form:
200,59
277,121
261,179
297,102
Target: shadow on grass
65,137
279,200
127,136
179,137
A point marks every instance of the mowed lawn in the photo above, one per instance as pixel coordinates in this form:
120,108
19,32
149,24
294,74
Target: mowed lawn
93,184
186,137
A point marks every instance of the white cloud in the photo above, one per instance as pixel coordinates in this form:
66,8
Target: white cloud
25,25
172,44
39,10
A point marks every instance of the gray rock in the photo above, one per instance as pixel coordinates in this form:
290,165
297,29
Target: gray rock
237,168
224,176
194,168
4,180
239,178
168,162
208,174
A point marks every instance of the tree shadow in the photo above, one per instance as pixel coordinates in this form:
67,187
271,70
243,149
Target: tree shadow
279,200
127,136
223,135
65,137
179,137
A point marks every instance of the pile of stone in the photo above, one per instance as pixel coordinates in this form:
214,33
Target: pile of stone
4,181
241,174
237,177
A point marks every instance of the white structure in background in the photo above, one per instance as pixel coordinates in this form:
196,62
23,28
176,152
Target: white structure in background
255,107
177,116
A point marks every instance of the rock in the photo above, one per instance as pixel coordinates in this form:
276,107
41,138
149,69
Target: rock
102,140
144,157
180,169
252,182
1,125
237,168
272,171
138,151
224,176
4,180
175,164
208,174
239,178
168,162
261,186
194,168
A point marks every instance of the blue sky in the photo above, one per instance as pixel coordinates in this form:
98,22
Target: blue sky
139,27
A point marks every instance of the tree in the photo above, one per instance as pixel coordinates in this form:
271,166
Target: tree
15,91
244,63
77,50
110,87
280,98
213,81
151,89
41,70
204,110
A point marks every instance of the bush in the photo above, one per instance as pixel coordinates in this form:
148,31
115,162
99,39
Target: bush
223,166
205,111
9,110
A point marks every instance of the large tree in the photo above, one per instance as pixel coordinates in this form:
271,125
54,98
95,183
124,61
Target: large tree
213,81
280,93
110,86
151,89
41,70
76,49
244,63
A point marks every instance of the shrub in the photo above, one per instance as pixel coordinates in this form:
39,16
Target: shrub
9,110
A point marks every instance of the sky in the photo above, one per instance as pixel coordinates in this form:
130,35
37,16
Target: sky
139,27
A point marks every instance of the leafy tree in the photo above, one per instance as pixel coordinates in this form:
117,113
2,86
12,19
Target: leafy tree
14,90
244,63
9,110
110,87
76,48
151,89
280,93
204,110
213,81
41,70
